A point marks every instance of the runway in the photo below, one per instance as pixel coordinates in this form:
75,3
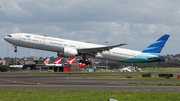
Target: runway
71,82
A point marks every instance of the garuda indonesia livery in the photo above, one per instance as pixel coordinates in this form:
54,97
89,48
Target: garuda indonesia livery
70,48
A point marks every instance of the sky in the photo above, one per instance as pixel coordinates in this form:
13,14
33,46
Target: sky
138,23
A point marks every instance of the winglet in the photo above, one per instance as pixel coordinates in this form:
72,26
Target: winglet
157,46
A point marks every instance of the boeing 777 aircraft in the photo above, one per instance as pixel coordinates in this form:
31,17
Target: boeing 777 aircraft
69,48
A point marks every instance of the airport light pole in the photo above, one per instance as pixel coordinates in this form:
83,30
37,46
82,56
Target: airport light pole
7,57
42,54
38,53
28,55
106,60
7,53
16,58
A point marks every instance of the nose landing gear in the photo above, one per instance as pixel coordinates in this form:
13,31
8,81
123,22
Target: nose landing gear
15,50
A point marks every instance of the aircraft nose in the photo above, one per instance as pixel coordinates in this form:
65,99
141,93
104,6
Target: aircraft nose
5,38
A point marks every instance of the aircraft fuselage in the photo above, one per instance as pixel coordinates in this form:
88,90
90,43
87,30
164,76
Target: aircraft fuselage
57,45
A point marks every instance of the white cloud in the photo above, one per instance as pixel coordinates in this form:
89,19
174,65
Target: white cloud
151,29
136,23
131,39
55,28
114,26
72,33
2,31
11,7
16,30
117,29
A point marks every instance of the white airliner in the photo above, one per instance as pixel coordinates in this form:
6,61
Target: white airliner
69,48
57,62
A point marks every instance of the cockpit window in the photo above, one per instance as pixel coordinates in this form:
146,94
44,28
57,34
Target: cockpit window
9,35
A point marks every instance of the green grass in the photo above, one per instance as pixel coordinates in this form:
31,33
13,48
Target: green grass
49,95
130,78
73,73
152,71
85,73
162,70
157,83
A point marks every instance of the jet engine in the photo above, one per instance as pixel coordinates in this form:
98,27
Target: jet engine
68,52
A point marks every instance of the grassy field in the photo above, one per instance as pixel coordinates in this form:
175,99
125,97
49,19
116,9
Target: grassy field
130,78
157,83
49,95
73,73
57,95
85,73
152,71
162,70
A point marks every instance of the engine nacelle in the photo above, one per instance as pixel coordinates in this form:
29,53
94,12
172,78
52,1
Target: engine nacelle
68,52
60,54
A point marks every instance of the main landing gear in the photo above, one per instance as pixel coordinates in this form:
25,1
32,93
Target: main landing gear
85,61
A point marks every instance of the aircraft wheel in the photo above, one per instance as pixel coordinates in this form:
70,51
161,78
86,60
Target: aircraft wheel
80,61
90,63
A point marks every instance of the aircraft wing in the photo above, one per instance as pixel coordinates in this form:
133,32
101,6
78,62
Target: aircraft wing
93,51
